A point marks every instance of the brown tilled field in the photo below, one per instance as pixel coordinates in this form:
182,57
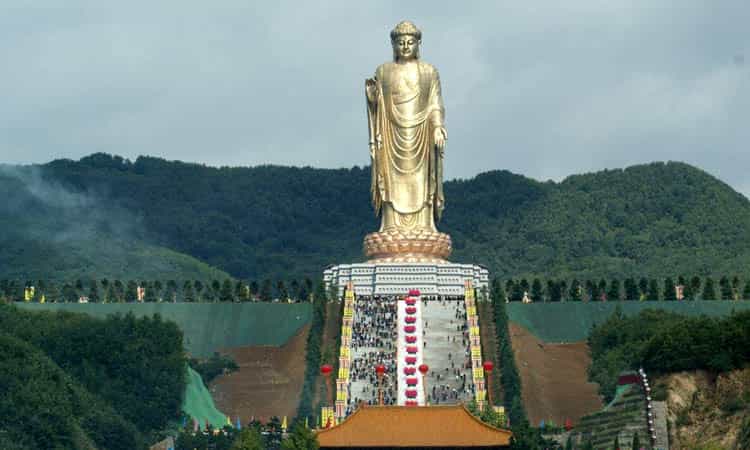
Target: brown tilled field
553,377
268,382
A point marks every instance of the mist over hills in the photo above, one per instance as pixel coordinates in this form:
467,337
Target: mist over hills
658,219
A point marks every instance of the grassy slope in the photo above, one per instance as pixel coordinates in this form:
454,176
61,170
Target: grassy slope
572,321
208,327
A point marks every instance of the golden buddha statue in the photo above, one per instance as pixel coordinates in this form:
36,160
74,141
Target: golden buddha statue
407,142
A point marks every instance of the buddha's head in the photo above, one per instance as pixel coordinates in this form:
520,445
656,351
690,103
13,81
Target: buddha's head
405,39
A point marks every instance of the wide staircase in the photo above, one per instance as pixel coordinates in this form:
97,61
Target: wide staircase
446,351
630,412
402,336
373,343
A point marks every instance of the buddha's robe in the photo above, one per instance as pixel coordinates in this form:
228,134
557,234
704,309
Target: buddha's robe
406,166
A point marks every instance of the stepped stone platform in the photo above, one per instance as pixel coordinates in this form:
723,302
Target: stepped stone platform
432,279
446,353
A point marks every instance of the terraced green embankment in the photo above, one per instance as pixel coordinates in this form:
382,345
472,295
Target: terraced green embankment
572,321
209,326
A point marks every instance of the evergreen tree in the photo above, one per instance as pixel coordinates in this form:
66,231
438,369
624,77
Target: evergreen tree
158,289
187,292
653,290
613,294
94,293
669,290
643,288
695,286
509,283
69,293
111,295
170,294
517,292
254,289
631,290
636,442
265,291
282,291
225,293
735,288
590,290
248,439
294,288
569,442
149,294
537,291
301,438
575,293
524,285
52,294
554,291
240,291
601,289
119,291
746,291
79,286
725,288
131,292
709,293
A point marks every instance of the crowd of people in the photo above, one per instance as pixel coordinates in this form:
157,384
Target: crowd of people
373,343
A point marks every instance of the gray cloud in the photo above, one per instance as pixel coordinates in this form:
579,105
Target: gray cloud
546,89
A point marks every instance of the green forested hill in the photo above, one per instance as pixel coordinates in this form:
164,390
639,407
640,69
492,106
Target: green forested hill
49,232
283,222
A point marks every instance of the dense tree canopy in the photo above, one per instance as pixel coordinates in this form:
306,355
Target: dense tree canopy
286,222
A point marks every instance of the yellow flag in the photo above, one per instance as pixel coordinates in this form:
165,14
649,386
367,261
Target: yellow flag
283,424
229,421
43,299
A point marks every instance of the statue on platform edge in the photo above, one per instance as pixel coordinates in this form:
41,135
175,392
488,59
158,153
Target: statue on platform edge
407,142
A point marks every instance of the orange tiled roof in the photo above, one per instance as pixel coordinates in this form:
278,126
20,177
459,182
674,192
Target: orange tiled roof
399,426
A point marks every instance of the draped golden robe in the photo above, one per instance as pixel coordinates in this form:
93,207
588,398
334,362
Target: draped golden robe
407,169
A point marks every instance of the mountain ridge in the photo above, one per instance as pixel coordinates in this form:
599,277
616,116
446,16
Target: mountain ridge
657,219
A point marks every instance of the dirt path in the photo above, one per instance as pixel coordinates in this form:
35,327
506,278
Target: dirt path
553,377
268,382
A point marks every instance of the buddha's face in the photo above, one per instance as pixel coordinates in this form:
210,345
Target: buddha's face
405,47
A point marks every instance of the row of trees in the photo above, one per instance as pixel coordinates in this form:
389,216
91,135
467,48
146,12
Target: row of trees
663,342
254,436
313,353
669,288
117,291
524,436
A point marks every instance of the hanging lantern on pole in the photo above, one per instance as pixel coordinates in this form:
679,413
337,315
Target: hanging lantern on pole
326,370
488,366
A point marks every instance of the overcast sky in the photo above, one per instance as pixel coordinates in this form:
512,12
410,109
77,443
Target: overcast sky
542,88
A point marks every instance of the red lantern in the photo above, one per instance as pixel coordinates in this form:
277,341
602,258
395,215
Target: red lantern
488,366
410,319
410,403
326,369
414,292
409,370
568,424
411,301
411,349
411,381
411,310
410,328
380,369
411,339
411,360
411,393
424,368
